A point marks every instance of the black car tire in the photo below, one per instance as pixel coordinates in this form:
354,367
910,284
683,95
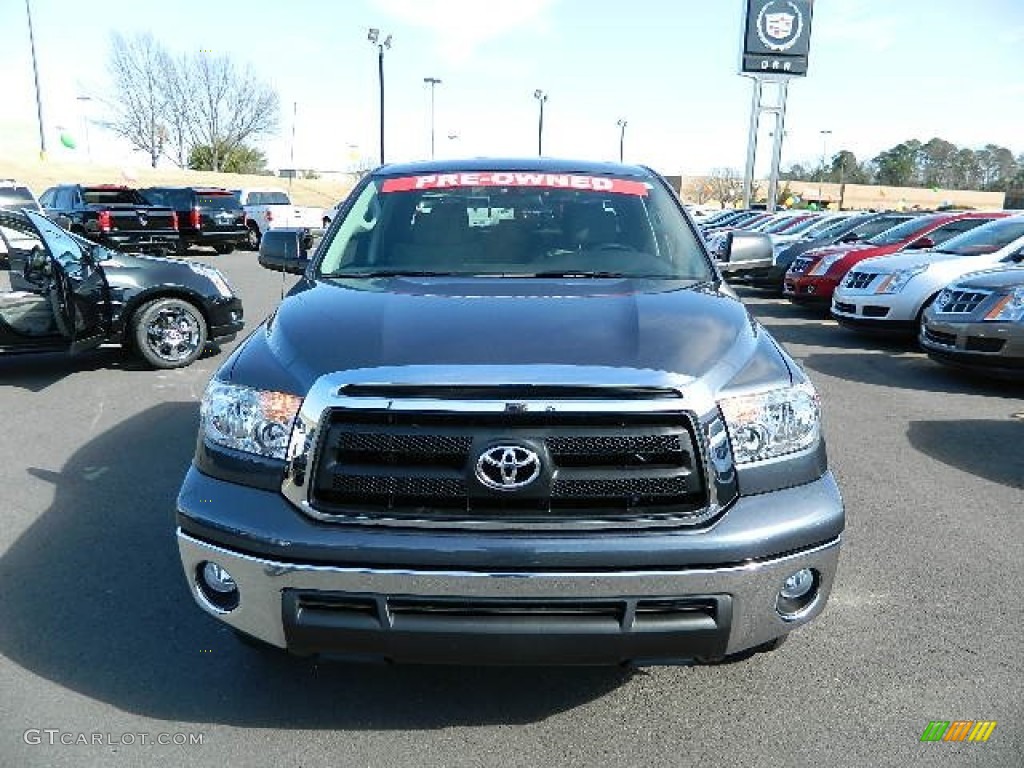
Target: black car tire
224,250
252,238
169,333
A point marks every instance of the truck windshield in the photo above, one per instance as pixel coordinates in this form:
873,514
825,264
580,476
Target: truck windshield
514,224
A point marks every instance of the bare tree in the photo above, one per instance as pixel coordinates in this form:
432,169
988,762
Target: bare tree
726,186
138,101
163,104
698,189
228,106
178,91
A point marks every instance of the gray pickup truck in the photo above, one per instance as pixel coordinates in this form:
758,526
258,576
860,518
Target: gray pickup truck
552,435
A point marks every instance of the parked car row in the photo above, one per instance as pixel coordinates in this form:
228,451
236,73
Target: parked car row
954,280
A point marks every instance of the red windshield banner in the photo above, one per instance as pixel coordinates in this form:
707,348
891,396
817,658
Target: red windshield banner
515,179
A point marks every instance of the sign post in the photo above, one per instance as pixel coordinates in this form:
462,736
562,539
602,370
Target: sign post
775,48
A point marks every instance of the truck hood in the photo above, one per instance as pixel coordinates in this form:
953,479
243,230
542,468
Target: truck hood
671,330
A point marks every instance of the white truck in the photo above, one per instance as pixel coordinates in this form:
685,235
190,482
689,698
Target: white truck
273,209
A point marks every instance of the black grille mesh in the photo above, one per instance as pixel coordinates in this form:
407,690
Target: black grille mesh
400,464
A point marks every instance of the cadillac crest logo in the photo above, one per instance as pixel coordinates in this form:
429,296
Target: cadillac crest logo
779,25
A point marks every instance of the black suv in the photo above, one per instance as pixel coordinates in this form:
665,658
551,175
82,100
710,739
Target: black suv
206,215
543,430
61,292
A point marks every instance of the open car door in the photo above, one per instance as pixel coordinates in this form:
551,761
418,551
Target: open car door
77,287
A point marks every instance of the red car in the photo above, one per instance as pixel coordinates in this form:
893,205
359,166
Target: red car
814,276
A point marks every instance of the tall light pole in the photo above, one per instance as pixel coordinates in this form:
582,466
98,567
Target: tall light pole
85,122
432,82
541,97
374,36
35,74
295,114
824,143
622,135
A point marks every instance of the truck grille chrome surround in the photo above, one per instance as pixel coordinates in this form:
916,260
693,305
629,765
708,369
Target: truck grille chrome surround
606,462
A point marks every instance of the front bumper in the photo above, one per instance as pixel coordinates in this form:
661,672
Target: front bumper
808,289
996,348
873,313
503,598
225,317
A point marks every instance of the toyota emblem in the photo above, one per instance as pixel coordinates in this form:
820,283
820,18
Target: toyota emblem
507,467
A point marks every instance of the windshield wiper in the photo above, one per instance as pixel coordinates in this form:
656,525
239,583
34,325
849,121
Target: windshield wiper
582,274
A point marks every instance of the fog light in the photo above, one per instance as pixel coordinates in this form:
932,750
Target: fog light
797,585
219,580
798,593
217,587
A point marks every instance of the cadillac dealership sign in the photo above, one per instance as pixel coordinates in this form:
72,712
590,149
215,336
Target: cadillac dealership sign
777,37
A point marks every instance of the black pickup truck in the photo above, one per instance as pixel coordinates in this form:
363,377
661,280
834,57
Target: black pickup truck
114,216
478,434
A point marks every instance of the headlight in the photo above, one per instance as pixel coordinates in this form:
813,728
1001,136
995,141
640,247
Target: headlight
773,423
214,276
1009,309
898,280
825,264
250,420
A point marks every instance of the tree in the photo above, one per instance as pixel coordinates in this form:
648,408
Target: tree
726,186
846,169
796,172
897,167
230,106
937,163
162,103
138,104
698,190
240,159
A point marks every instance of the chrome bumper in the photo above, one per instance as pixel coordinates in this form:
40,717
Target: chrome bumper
752,588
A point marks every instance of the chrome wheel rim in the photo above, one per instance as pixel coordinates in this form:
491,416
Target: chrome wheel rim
173,334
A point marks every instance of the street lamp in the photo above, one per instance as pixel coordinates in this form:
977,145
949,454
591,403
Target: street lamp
622,135
541,97
35,75
824,143
432,82
374,36
85,123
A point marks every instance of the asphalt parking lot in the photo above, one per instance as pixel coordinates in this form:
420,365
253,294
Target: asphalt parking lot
98,633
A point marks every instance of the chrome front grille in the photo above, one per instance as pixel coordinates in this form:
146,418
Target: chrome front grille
859,280
961,301
800,266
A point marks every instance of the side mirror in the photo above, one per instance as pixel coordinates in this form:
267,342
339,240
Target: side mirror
746,250
851,237
921,242
285,250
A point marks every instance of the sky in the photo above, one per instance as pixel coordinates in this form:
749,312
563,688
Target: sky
880,72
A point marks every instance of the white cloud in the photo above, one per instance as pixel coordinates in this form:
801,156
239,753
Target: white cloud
460,27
